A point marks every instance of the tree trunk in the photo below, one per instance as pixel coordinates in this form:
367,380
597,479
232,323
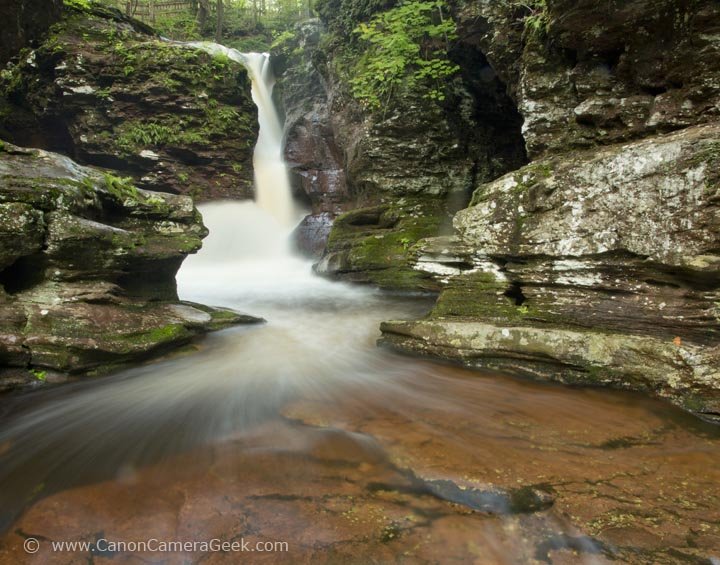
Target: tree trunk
220,17
202,15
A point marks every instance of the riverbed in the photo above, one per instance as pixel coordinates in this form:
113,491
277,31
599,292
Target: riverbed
302,435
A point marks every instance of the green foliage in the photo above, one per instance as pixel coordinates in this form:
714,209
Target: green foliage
537,19
80,5
343,16
406,50
39,374
121,187
181,27
258,43
280,39
143,134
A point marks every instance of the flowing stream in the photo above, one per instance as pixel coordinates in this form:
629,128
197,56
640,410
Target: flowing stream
302,431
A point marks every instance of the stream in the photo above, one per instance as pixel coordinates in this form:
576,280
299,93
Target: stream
302,432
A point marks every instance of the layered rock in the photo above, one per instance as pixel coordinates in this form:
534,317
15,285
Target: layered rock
104,90
587,73
315,160
415,159
87,267
600,267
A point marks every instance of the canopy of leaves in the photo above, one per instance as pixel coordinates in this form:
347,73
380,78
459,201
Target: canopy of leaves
406,50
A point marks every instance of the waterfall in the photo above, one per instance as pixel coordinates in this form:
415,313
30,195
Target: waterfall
272,185
271,177
248,252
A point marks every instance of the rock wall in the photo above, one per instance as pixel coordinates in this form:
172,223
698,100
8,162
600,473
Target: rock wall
87,269
595,73
314,158
599,262
415,161
102,89
24,22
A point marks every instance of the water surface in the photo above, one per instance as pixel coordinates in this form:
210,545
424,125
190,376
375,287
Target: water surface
302,431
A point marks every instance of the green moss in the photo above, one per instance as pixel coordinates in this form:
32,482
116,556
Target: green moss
477,295
78,5
377,242
147,340
167,333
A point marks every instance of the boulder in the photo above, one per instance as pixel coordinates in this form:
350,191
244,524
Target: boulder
88,280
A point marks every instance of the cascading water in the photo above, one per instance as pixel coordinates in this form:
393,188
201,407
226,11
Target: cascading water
272,186
301,430
271,178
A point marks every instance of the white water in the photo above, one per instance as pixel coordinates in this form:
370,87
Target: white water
246,262
272,185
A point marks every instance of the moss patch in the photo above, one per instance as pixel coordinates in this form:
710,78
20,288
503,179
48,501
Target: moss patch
375,244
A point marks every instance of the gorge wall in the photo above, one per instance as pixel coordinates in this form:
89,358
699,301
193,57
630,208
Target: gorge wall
598,262
88,255
104,90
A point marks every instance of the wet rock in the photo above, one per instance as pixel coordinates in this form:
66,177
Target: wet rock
104,90
374,244
90,283
495,501
314,157
600,268
311,235
348,158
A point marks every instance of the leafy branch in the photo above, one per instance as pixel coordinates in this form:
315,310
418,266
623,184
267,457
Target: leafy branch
407,49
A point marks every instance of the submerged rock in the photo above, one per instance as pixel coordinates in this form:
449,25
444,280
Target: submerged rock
87,267
594,268
104,90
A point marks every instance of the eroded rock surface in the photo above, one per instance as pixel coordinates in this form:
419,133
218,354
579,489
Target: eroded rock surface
104,90
592,73
87,267
599,267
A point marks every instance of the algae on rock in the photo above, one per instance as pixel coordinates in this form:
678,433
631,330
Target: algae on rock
87,268
104,90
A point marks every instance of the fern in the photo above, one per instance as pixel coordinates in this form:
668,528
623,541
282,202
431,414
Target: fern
407,50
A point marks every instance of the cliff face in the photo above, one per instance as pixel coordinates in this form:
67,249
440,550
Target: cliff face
593,73
87,268
400,172
599,262
105,91
314,157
